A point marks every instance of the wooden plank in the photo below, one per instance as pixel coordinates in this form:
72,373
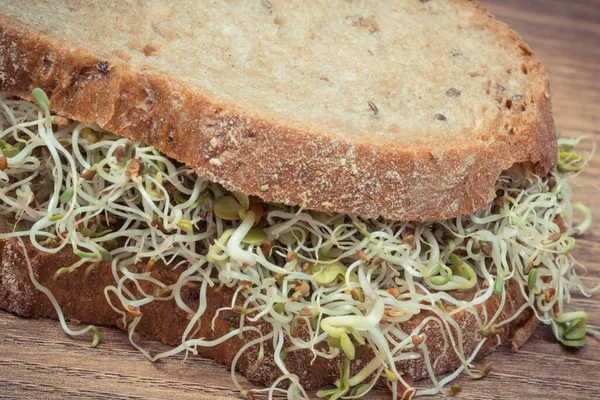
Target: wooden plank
37,360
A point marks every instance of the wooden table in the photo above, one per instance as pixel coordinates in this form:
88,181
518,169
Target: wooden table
37,360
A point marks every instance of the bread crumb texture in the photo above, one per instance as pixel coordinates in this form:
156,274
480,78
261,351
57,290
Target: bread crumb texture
402,109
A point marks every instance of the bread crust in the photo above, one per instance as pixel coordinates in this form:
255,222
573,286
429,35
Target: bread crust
81,298
281,163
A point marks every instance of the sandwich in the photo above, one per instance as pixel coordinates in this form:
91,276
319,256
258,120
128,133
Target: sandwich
321,195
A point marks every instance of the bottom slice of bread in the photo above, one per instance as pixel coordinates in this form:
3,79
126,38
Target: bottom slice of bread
82,299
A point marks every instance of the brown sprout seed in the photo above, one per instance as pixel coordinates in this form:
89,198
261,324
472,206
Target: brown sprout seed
133,168
410,240
162,292
3,163
392,313
246,284
93,137
305,312
303,288
487,248
258,212
150,265
558,220
454,390
266,248
294,332
134,311
554,237
119,152
192,285
361,255
548,295
60,121
417,339
290,256
89,175
486,369
357,295
305,267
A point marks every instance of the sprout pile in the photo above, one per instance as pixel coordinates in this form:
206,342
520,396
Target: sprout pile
343,280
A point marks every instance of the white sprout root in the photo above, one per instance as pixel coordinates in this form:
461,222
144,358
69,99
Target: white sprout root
78,187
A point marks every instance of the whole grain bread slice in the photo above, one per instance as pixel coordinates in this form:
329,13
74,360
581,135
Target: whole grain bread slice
81,298
403,109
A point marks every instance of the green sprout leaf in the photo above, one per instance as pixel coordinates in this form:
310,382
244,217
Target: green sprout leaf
347,346
9,150
390,375
440,280
84,254
571,328
332,272
484,371
576,330
40,97
587,218
56,217
67,195
255,236
360,389
243,199
568,247
95,336
106,256
185,225
291,237
498,286
228,208
532,280
567,162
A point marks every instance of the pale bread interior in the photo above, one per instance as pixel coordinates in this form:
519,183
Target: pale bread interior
407,73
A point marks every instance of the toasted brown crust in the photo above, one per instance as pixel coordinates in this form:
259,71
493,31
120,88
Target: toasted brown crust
82,298
280,163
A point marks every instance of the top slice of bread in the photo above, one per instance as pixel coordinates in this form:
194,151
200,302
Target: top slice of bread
402,109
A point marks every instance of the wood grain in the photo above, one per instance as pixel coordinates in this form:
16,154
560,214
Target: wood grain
37,360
